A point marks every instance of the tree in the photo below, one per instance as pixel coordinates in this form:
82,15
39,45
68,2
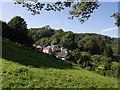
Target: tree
81,10
101,44
114,69
57,36
38,33
5,30
68,41
19,31
108,51
46,31
17,23
117,17
84,61
88,44
76,55
43,41
97,60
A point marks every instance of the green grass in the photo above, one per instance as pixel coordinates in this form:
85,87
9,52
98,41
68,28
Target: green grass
26,68
26,56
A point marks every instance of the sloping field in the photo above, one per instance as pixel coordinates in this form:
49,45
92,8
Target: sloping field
27,68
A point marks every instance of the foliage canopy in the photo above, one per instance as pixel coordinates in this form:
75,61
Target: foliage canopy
81,10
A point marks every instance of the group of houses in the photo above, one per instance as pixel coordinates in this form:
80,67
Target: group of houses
63,54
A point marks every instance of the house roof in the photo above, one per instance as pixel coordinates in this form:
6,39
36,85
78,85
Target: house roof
38,46
53,43
55,47
64,53
47,48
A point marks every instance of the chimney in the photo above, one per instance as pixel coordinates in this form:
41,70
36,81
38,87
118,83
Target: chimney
61,48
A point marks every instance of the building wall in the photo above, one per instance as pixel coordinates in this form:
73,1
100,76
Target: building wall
46,51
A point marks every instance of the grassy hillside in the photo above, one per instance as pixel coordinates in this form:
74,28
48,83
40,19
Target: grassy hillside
25,68
30,57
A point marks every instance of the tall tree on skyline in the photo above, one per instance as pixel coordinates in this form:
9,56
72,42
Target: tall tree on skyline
19,31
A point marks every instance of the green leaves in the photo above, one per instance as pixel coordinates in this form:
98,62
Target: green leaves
68,41
83,10
117,17
19,31
89,44
80,10
17,23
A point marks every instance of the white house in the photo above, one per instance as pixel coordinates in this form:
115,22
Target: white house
64,54
55,48
47,49
39,47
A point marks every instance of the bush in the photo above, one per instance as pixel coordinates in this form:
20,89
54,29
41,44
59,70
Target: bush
113,70
105,66
101,60
84,61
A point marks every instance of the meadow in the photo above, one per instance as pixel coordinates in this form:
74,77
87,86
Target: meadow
28,68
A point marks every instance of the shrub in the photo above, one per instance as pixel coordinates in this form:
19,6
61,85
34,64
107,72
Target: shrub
101,67
101,60
113,70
